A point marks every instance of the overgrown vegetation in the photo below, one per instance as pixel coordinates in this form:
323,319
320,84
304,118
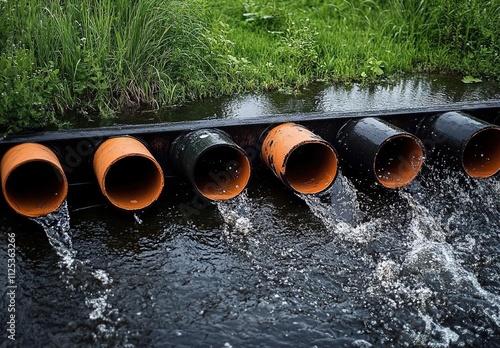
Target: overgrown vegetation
99,56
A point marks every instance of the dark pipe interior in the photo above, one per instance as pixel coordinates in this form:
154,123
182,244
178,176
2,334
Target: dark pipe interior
398,161
133,180
311,168
222,173
34,187
481,156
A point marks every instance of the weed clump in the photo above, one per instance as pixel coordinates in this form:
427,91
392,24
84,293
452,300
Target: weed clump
99,57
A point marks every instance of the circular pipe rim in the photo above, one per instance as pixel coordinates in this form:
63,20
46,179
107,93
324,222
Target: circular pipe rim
247,166
53,161
399,183
156,189
495,157
276,156
327,147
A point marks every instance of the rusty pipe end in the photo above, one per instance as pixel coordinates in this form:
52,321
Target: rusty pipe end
33,180
311,168
300,158
481,153
399,160
128,174
222,172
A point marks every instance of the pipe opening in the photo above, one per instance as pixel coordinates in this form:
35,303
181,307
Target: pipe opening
133,182
35,188
222,173
311,168
398,161
481,155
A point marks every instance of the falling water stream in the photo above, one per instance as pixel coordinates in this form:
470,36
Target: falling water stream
79,276
355,266
57,227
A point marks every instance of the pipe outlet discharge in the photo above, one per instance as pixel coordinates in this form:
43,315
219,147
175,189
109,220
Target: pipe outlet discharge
33,180
381,151
217,168
299,158
464,141
128,174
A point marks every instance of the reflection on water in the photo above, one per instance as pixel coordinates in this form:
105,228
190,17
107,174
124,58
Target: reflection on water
353,266
418,266
410,93
406,93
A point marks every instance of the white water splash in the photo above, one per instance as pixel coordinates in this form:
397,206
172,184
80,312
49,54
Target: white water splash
337,208
431,253
236,214
57,226
102,276
137,219
100,303
445,335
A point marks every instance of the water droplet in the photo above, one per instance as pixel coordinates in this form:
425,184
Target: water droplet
137,219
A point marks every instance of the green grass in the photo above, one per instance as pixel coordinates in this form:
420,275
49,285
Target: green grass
296,42
97,57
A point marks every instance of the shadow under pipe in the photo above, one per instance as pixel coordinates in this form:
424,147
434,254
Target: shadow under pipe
380,151
33,180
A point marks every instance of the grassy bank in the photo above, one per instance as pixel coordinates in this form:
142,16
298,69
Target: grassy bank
99,56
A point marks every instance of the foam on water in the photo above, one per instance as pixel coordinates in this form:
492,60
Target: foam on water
427,271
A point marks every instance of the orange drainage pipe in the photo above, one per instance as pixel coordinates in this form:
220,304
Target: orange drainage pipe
33,180
217,167
128,174
301,159
381,151
471,144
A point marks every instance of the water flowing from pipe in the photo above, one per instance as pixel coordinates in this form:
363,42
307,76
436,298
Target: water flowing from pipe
339,211
78,275
57,227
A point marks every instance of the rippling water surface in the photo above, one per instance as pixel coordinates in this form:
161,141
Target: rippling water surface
351,266
355,266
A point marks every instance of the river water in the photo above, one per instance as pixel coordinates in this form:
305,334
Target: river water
353,266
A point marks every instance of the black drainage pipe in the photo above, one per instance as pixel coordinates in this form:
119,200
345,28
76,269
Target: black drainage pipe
217,167
380,151
463,141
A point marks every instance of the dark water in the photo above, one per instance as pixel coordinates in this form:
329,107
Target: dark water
353,267
407,93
